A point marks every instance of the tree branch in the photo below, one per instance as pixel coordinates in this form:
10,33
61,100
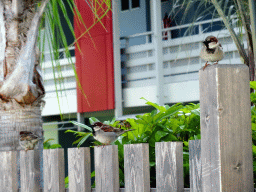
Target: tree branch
232,32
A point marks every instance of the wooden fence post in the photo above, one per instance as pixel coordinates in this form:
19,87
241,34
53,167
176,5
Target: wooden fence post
54,174
106,168
136,167
195,166
169,166
79,169
29,179
8,171
226,139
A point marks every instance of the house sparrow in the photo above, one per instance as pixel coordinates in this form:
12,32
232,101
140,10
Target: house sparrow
211,51
105,133
28,140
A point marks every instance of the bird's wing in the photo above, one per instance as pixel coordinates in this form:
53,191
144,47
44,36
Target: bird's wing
107,128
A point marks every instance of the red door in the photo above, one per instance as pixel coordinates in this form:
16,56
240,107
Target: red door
94,60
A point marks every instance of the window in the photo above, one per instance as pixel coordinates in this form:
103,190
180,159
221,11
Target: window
135,3
129,4
125,5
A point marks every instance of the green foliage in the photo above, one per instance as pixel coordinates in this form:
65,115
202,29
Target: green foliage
253,120
163,124
83,137
48,145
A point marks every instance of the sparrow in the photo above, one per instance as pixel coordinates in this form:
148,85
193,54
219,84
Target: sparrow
105,133
28,140
211,51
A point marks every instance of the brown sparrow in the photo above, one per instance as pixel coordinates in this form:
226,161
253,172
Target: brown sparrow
28,140
105,133
211,51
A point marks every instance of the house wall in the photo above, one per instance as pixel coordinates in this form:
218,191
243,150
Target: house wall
133,21
94,61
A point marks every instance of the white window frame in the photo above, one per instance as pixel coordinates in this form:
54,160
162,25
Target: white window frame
130,6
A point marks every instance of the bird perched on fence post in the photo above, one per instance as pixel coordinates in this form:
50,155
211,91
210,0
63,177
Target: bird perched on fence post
212,51
105,133
28,140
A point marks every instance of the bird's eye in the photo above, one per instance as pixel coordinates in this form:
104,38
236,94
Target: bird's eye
98,124
214,39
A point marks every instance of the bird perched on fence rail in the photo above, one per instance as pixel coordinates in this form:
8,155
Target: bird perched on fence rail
105,133
28,140
212,51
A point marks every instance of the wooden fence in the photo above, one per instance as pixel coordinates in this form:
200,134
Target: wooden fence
221,161
169,168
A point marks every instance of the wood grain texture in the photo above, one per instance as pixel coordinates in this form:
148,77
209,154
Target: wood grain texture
54,170
29,181
226,128
151,190
195,165
8,171
169,166
79,169
106,168
136,167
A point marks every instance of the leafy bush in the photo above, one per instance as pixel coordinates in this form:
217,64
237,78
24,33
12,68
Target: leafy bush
164,123
253,120
48,145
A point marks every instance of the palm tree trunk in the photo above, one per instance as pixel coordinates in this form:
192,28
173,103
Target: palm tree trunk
21,84
16,120
12,122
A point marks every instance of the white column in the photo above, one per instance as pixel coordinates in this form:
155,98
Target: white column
117,59
80,119
156,23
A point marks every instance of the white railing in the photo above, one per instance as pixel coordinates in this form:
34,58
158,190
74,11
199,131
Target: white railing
181,63
181,55
59,76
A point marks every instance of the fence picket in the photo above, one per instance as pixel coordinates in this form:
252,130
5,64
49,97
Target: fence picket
136,167
79,169
195,165
8,171
226,138
106,168
54,170
169,166
28,172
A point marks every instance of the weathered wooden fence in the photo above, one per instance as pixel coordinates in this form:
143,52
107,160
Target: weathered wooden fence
221,161
169,168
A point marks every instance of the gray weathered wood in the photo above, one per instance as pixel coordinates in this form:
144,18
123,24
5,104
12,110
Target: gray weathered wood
29,181
226,140
169,166
54,170
195,165
136,167
151,190
79,169
106,168
8,171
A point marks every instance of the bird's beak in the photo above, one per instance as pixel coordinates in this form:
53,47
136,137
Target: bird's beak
205,43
